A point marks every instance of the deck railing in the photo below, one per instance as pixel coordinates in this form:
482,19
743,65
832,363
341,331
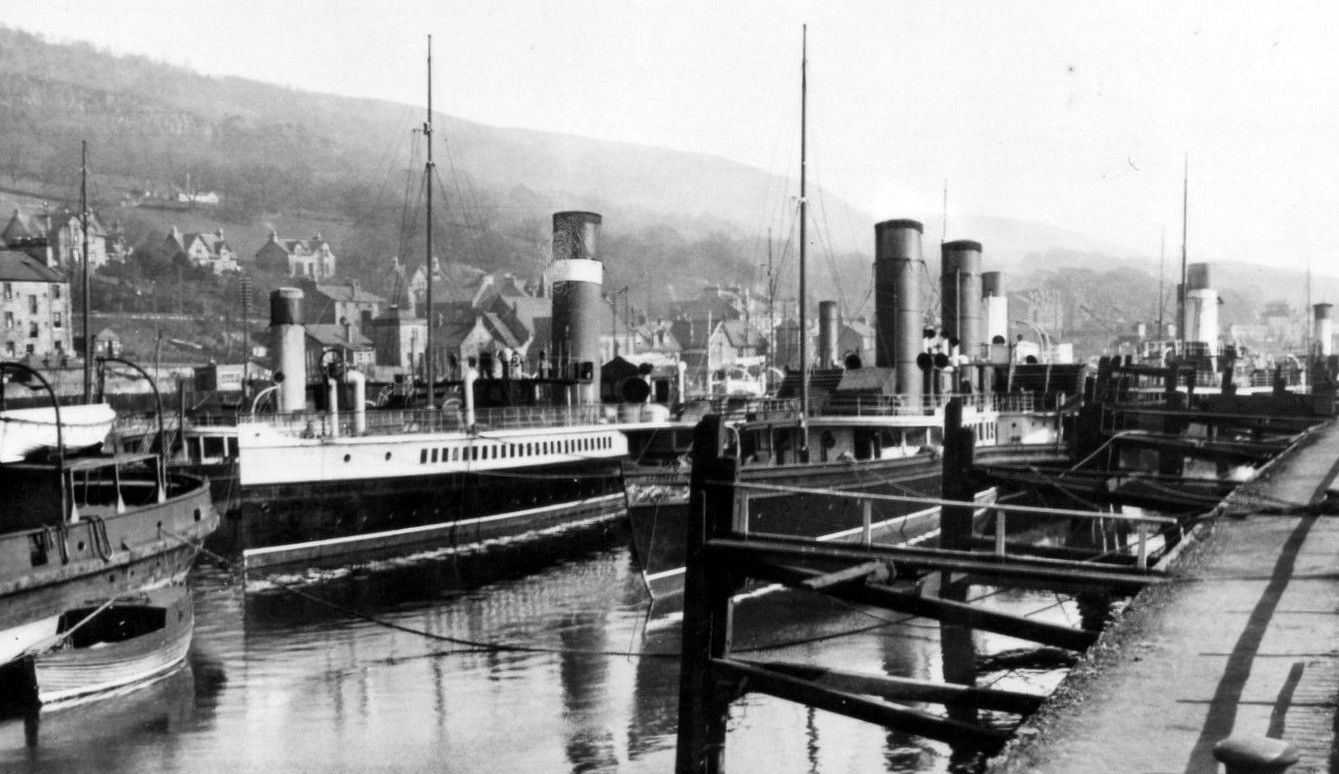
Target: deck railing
928,405
397,421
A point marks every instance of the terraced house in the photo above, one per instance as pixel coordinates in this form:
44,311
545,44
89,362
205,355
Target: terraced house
35,305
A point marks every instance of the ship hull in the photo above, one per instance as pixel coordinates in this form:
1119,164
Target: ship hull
321,522
298,501
47,571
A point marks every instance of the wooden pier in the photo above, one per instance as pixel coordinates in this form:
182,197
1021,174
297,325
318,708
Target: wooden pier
723,556
1244,643
1232,630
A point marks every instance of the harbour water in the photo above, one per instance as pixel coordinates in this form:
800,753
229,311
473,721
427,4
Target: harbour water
529,657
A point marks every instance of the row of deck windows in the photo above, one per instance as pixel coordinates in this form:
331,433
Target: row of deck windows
514,450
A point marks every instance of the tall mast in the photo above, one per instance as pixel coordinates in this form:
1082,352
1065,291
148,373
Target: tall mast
943,235
83,226
1182,312
1308,322
804,330
1162,275
771,307
429,179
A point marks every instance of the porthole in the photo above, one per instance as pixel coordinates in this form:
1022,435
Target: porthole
347,458
388,456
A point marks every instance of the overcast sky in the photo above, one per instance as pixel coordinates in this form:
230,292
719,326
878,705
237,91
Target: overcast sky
1073,114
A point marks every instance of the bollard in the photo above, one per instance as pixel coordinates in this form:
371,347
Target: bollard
1255,754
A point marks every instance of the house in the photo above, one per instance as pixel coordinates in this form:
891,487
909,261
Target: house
398,339
493,338
327,344
711,348
856,338
107,343
116,246
312,258
56,239
451,283
339,303
208,250
35,302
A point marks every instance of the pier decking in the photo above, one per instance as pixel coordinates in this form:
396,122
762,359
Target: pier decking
1245,642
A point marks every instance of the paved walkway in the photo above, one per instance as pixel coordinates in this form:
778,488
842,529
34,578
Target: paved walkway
1246,643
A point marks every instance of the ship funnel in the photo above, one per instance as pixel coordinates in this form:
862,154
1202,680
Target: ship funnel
1201,307
960,296
829,326
577,278
288,341
1324,330
898,266
996,305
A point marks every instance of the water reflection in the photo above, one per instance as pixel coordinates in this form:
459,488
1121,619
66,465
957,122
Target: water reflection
386,667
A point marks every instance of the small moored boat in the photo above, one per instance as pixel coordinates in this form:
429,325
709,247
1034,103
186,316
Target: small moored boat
109,647
29,430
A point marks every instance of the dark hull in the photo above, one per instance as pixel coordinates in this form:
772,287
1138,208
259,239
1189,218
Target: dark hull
145,546
326,522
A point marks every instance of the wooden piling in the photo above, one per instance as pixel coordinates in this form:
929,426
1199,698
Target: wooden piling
703,708
955,522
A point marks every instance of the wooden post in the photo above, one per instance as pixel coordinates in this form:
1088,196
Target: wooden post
703,709
1000,533
955,522
866,522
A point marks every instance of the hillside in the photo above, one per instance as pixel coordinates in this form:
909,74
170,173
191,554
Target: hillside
301,163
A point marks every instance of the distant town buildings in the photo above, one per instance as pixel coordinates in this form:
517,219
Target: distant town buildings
35,302
311,258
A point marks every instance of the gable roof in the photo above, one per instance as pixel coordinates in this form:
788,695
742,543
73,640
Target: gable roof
20,228
292,246
351,293
740,334
18,266
503,332
212,242
335,335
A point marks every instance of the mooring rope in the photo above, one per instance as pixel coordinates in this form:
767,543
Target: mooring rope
485,646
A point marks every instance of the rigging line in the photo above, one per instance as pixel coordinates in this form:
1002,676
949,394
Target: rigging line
408,217
494,646
484,645
477,226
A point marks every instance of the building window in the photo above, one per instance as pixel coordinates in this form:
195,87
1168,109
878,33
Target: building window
32,330
55,292
32,304
9,348
9,320
31,349
56,321
9,291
